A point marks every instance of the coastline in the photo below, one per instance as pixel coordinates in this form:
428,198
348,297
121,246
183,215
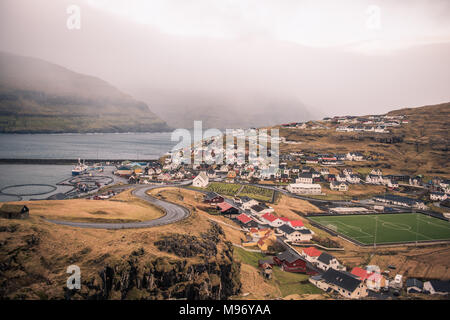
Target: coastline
69,161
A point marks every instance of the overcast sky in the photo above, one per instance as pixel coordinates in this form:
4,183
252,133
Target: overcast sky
335,57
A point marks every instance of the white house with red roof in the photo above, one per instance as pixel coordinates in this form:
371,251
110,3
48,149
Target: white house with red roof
296,224
273,220
311,254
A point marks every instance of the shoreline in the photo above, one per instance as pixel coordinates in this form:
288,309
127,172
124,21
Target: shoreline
69,161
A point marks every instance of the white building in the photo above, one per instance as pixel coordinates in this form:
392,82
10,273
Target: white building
340,186
438,196
201,181
303,188
305,178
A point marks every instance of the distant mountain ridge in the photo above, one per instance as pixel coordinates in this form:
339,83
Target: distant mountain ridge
40,97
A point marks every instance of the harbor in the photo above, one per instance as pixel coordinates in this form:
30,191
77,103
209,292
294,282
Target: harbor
24,182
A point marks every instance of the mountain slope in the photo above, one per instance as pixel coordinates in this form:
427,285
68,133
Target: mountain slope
220,110
419,147
37,96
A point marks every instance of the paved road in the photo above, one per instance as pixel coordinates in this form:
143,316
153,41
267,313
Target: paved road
173,213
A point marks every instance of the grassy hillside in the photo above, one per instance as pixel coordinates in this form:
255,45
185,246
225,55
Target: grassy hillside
418,147
37,96
194,259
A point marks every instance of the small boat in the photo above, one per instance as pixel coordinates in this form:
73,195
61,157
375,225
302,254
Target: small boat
80,168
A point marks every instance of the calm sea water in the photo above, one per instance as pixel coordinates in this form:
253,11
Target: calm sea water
13,174
144,146
85,146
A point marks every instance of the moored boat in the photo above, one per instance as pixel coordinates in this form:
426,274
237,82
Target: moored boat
80,168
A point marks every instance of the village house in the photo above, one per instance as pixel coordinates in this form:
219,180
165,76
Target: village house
212,197
376,172
375,282
227,209
315,174
302,188
355,156
438,196
296,224
339,186
400,201
14,211
273,220
326,261
373,179
311,254
353,178
305,234
261,209
289,233
306,178
343,283
347,171
245,221
268,239
291,262
414,286
437,287
360,273
201,181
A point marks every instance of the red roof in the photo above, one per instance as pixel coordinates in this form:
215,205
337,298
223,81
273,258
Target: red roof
312,252
270,217
360,273
284,219
224,206
243,218
296,223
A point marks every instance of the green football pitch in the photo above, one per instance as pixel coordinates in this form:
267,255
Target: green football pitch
404,227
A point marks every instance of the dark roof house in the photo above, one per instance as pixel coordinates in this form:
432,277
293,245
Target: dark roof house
413,285
341,279
14,211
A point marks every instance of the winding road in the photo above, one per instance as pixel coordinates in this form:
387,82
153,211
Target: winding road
173,213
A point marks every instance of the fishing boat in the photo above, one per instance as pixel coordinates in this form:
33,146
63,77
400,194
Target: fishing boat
80,168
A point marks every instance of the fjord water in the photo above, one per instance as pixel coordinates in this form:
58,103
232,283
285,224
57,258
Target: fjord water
110,146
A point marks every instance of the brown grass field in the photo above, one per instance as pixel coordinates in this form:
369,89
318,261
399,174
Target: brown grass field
123,208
